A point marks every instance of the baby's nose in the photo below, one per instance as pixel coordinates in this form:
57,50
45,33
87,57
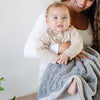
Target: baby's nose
60,20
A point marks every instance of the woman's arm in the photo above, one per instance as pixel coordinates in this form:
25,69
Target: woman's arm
63,46
39,27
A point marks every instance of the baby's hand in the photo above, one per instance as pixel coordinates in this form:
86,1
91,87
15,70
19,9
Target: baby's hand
62,59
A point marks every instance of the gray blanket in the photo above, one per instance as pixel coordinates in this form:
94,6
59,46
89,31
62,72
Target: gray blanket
58,77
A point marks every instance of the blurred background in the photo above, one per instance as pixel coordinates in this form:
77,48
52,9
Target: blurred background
17,19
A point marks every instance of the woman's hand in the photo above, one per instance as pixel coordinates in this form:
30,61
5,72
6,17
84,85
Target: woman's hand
81,55
63,46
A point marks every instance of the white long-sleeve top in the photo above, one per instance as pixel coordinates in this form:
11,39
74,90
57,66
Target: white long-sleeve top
49,38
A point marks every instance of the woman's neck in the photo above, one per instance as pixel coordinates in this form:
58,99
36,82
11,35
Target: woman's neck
79,20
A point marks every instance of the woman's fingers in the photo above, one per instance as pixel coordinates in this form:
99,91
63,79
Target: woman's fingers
82,56
78,59
83,52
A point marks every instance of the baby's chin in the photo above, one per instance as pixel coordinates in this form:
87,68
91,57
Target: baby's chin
57,32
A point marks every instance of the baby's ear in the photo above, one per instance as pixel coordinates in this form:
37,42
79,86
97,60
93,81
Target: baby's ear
47,22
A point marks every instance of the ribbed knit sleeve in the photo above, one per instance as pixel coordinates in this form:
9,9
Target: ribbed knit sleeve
43,51
76,43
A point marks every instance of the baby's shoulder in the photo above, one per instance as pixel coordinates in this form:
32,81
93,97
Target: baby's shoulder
72,27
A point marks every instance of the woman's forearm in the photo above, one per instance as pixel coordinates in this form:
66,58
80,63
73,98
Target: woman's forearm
63,46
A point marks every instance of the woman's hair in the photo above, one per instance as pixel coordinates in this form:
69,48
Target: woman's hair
91,14
94,15
57,4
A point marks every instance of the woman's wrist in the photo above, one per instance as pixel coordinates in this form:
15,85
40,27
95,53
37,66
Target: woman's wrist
60,48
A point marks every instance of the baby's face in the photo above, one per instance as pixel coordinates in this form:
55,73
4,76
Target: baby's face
58,19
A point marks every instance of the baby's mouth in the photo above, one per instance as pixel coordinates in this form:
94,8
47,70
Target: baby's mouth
60,26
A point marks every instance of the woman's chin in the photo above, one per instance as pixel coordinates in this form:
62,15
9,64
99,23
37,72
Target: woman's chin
78,10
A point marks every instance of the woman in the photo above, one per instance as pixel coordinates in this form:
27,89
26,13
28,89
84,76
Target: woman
85,18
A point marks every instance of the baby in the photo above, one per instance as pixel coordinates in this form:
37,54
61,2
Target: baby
60,30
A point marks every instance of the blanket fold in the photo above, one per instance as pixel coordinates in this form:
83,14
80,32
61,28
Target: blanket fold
58,77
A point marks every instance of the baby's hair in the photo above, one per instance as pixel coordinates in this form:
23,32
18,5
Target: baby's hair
57,4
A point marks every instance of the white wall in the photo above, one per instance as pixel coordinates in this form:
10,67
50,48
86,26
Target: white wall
17,18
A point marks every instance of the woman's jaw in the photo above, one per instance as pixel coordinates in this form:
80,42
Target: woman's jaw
79,5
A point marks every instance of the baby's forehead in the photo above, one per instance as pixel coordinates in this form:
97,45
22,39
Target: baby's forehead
58,10
58,7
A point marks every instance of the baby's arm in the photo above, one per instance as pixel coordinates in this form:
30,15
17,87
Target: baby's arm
63,58
74,47
76,44
43,51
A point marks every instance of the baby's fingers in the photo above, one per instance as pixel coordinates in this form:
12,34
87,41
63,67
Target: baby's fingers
57,60
65,62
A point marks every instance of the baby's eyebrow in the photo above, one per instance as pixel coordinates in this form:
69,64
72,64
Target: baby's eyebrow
65,15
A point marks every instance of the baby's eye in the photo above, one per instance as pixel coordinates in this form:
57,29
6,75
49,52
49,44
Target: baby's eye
64,17
55,17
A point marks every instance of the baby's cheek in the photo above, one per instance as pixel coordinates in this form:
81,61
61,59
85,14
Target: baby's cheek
66,26
52,27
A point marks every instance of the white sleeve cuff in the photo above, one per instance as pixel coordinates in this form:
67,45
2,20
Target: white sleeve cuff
54,48
38,29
